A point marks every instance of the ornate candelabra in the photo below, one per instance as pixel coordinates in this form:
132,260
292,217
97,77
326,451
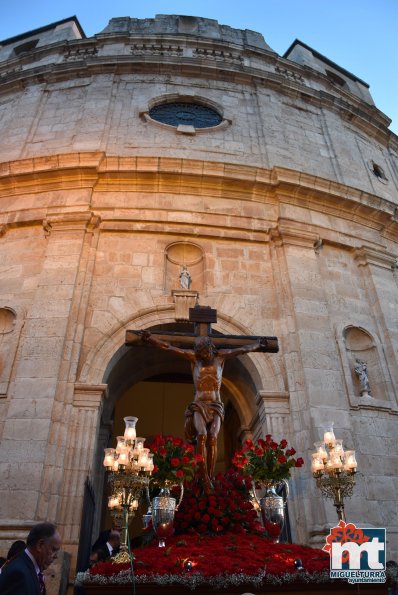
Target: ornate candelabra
130,466
334,469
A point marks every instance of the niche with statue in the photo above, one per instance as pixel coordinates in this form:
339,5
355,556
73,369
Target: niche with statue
367,374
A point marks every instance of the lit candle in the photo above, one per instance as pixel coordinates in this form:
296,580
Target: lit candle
338,446
121,443
150,464
328,436
320,450
143,458
109,458
317,463
130,432
350,463
335,460
139,443
329,466
123,459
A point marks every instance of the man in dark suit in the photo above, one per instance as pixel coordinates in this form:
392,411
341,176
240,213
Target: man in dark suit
23,575
107,544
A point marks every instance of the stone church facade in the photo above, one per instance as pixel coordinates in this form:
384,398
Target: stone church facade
171,142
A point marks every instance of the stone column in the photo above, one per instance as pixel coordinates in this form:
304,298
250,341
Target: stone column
83,434
35,431
314,378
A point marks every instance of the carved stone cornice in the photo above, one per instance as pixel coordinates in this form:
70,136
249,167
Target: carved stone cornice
71,222
295,233
89,396
367,256
274,402
269,190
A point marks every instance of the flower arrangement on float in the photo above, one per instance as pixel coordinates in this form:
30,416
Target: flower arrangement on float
227,509
220,526
216,562
268,461
174,463
174,460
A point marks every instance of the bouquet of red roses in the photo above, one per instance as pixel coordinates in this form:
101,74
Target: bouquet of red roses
267,460
227,509
174,460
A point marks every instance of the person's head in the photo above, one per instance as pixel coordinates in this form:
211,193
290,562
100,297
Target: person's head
16,548
96,556
44,543
204,348
114,538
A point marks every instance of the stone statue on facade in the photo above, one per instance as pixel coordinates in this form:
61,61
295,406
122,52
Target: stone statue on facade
361,370
185,278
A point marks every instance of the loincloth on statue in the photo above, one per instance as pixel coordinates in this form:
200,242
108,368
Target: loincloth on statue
207,409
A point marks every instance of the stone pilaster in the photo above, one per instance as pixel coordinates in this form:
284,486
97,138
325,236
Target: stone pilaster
82,442
35,431
274,409
377,268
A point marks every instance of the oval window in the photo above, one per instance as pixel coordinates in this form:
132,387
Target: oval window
191,114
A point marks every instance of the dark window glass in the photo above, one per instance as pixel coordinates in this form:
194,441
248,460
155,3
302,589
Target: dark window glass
25,47
192,114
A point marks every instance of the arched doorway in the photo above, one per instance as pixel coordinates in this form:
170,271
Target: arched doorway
111,370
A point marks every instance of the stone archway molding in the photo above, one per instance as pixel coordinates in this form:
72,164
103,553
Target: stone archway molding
266,372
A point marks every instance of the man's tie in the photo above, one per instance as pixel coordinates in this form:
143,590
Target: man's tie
41,581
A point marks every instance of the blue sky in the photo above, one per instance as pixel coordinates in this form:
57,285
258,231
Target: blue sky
358,35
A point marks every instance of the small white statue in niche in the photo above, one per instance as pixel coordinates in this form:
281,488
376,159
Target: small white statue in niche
185,278
361,370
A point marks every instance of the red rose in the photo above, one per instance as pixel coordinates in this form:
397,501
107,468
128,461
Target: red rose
274,445
180,473
281,459
175,462
162,451
283,443
290,452
185,460
299,462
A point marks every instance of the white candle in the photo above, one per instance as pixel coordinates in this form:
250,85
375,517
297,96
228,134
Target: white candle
329,438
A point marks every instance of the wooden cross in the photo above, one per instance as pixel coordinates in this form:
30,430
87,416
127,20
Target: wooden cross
203,317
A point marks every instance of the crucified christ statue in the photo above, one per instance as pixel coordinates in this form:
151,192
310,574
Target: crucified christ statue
204,416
